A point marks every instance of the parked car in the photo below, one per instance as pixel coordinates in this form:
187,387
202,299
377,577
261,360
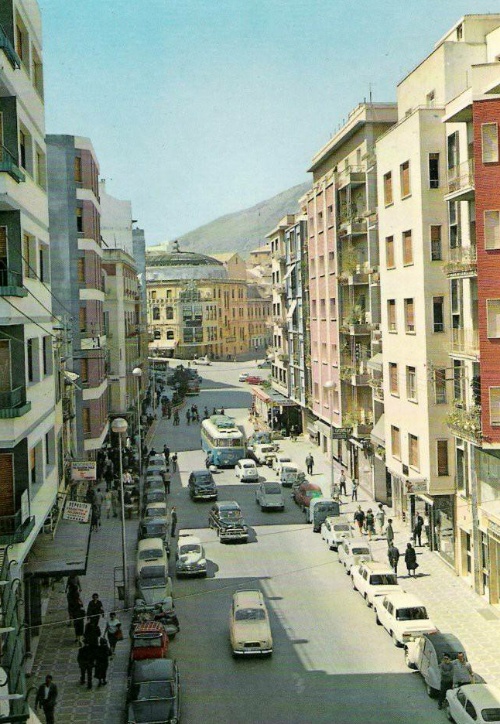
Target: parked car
289,474
353,551
259,438
425,653
320,509
305,492
246,470
154,495
149,641
263,453
473,704
190,558
280,460
249,628
243,377
156,510
203,361
270,495
154,692
163,612
151,550
201,485
157,460
227,520
335,530
254,380
403,616
156,482
373,579
154,584
155,471
155,528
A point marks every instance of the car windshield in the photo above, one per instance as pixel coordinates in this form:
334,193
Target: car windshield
204,483
153,572
383,579
284,460
272,489
248,465
154,690
146,643
360,551
232,513
202,478
415,613
267,448
157,510
148,553
341,527
190,548
250,614
155,531
491,714
323,507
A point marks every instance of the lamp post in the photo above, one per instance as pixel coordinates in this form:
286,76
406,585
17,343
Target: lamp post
329,386
119,425
137,372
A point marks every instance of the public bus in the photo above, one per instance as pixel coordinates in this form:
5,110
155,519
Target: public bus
222,440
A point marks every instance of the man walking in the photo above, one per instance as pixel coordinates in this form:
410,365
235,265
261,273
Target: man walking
380,518
173,521
462,671
188,416
342,483
417,530
389,533
354,494
359,519
446,668
46,697
166,454
393,556
309,464
85,660
174,462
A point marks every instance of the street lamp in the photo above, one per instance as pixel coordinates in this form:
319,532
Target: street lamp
329,386
137,372
119,425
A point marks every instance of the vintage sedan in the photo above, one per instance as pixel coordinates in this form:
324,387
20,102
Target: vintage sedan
304,493
227,520
403,616
270,496
425,654
149,641
354,551
334,531
149,551
280,461
373,579
155,528
254,380
190,559
154,692
246,470
473,704
153,584
156,510
249,627
201,485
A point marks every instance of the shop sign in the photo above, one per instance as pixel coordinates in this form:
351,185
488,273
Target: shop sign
494,528
74,510
85,470
341,433
416,486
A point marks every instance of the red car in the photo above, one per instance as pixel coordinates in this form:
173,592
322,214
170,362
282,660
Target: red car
305,492
254,380
149,641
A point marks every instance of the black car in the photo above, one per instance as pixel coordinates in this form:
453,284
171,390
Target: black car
155,528
154,692
201,485
154,496
226,518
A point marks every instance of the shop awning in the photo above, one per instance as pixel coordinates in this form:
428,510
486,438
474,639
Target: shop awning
378,432
62,555
170,344
273,398
376,362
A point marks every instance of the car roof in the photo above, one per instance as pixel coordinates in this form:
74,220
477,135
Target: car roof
151,627
310,486
246,460
376,567
150,543
152,670
201,472
228,504
355,542
444,643
188,540
245,599
401,598
483,695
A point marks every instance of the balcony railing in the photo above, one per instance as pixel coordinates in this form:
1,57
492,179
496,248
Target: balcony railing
12,530
465,342
11,284
13,403
463,261
8,49
465,424
461,177
354,175
8,164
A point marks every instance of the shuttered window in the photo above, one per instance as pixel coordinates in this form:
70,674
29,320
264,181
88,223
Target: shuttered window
440,386
391,315
6,484
83,319
388,188
442,457
495,405
5,368
409,315
436,252
493,317
489,142
492,229
413,457
407,248
393,378
395,442
389,252
3,242
86,420
404,172
78,169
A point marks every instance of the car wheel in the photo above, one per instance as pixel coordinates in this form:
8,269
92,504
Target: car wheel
409,663
367,601
447,711
395,640
353,584
377,620
431,691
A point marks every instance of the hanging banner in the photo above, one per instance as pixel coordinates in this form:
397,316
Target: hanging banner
74,510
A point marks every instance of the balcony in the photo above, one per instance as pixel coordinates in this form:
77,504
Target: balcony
376,385
465,343
13,531
355,327
67,409
350,225
465,424
351,176
11,284
461,181
360,421
13,403
462,263
8,49
8,164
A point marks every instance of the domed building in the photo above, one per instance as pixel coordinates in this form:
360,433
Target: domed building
194,307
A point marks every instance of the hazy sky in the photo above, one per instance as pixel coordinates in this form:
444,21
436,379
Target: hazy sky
197,108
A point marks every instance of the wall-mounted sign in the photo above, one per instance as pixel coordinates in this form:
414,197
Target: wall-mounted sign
74,510
416,486
85,470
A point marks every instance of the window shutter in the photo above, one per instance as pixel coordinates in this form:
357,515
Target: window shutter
495,405
442,457
492,229
493,313
5,368
489,138
3,242
407,248
6,484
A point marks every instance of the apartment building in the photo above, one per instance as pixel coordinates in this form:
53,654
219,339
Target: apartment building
77,278
278,323
139,254
259,305
344,286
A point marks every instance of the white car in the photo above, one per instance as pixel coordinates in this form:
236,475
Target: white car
264,452
190,558
473,704
246,470
335,530
353,551
403,616
157,460
279,461
249,628
243,377
151,551
373,579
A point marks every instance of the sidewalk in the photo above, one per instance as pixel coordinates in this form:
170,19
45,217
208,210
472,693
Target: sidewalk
452,605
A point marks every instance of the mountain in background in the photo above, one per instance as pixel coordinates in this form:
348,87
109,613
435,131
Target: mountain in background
244,230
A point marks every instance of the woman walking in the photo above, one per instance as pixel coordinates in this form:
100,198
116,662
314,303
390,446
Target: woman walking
113,630
411,559
102,655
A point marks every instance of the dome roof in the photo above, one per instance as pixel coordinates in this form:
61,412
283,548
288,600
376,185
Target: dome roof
177,258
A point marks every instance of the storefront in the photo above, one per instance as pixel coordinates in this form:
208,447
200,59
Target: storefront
276,411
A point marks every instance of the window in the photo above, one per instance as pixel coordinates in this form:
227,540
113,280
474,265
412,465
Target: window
86,421
434,170
391,315
47,355
438,314
430,98
22,149
157,334
404,177
83,319
493,318
78,169
393,378
333,308
81,269
409,316
170,334
489,142
41,172
389,252
79,219
495,406
30,356
440,386
460,32
84,370
492,229
442,457
454,222
29,256
407,248
436,250
156,313
453,153
411,384
395,442
388,188
413,451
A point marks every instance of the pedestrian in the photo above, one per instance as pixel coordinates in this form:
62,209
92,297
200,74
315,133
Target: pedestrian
359,519
446,669
79,623
46,697
427,528
208,461
380,518
389,533
109,476
335,492
86,660
102,657
166,453
174,462
92,633
107,502
95,609
309,464
206,414
411,559
114,631
370,523
188,417
176,417
127,478
354,492
94,519
166,479
393,556
115,502
173,521
74,602
342,483
222,411
417,530
462,671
